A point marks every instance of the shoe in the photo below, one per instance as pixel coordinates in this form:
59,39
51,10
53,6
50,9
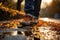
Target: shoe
28,20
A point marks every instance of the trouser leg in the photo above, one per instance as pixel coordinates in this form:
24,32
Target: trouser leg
37,4
32,7
29,6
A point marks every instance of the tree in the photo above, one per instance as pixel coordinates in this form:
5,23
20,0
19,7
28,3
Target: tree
19,4
51,10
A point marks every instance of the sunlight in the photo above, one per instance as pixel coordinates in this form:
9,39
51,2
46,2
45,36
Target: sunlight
44,19
48,1
23,2
45,3
15,1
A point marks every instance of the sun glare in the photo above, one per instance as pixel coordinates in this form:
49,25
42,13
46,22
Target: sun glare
48,1
45,3
15,1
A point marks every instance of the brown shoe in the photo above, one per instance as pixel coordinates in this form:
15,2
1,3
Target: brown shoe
28,20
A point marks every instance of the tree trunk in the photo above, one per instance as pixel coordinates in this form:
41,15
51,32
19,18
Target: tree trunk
19,5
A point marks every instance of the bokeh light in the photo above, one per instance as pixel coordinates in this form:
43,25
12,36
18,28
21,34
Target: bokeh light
15,1
45,3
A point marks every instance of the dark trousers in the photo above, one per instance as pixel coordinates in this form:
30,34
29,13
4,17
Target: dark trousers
32,7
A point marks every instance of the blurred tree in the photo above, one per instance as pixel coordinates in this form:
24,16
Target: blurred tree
19,5
51,10
54,8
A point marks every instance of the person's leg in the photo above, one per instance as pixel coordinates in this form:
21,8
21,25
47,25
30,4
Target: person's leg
32,7
37,4
29,7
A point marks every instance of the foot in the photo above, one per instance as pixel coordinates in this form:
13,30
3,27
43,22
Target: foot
28,20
